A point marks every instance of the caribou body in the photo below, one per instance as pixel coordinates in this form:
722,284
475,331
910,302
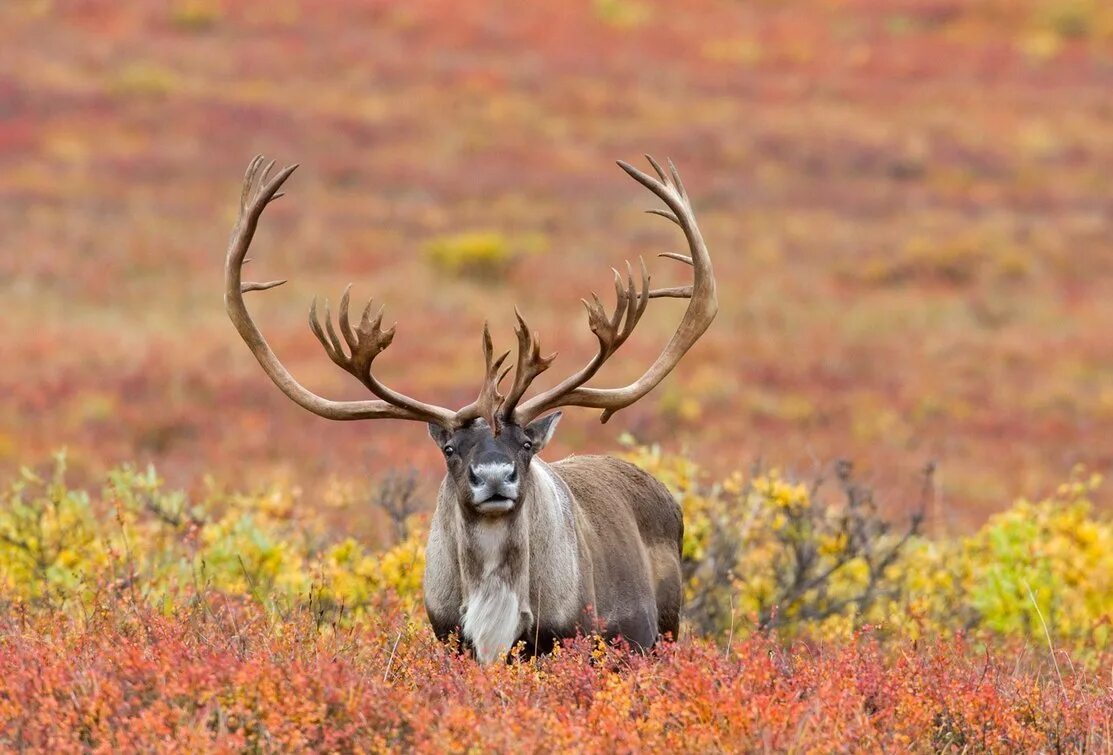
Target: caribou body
520,550
524,550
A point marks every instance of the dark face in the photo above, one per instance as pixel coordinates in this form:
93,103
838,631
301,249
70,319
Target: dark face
489,471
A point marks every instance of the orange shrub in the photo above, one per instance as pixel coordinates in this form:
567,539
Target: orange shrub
222,675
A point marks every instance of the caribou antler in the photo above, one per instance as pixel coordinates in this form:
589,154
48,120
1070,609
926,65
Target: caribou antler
487,404
610,330
613,331
368,339
530,364
365,343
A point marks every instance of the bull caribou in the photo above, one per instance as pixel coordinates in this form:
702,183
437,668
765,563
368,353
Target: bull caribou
521,550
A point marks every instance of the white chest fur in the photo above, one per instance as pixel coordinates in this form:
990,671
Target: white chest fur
501,595
492,615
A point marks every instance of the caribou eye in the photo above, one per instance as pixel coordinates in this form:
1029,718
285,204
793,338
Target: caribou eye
449,450
527,445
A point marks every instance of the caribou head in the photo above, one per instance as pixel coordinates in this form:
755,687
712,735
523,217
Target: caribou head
489,470
519,549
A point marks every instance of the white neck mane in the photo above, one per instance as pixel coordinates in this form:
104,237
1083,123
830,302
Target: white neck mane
498,605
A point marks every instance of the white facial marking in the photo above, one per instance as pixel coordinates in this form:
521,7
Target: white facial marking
497,607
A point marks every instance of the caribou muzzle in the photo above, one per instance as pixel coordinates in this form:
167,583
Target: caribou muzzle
494,486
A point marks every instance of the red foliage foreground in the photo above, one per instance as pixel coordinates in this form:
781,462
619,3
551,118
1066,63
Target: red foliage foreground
225,676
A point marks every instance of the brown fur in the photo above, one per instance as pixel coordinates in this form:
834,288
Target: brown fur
611,561
617,500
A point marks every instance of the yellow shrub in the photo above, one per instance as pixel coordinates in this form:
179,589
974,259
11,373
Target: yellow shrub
765,552
476,254
761,551
622,14
141,79
353,577
48,536
60,545
195,15
1043,562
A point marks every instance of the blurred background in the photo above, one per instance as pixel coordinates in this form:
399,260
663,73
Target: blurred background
908,204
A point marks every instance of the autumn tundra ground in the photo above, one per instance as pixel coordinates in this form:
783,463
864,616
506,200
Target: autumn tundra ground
909,209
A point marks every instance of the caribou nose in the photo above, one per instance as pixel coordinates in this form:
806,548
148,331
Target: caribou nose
492,473
494,486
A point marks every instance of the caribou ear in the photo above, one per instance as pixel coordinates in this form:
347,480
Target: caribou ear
541,431
439,434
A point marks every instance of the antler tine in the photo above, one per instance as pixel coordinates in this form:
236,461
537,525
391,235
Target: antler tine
266,171
702,307
676,182
530,364
345,323
664,214
635,300
675,292
621,300
657,168
487,404
331,347
247,287
332,337
644,178
629,306
248,182
260,189
678,257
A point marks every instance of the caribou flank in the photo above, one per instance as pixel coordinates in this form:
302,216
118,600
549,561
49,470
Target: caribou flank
521,550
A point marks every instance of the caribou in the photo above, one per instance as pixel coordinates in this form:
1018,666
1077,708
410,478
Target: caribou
520,550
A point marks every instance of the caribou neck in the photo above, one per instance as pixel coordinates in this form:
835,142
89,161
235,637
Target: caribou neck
519,568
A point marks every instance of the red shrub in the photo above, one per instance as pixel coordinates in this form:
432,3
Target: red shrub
223,676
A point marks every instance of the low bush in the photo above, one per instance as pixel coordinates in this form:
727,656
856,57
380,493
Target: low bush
763,552
137,618
480,255
220,673
760,553
61,547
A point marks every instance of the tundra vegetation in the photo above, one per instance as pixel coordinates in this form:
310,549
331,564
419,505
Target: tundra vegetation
909,207
139,617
